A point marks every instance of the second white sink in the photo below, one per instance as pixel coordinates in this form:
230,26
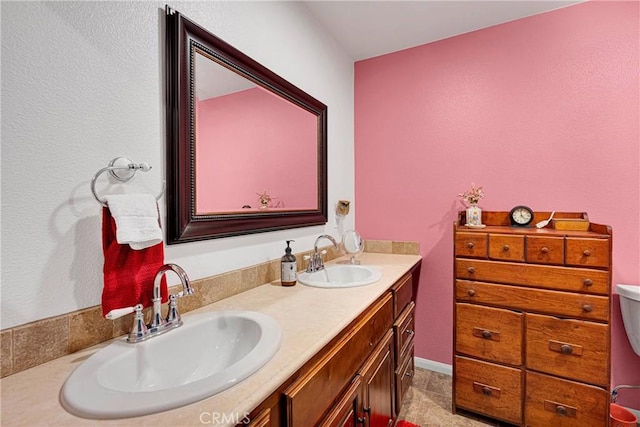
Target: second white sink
208,354
341,276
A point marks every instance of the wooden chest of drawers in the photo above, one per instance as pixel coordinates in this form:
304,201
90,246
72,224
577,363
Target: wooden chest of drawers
532,322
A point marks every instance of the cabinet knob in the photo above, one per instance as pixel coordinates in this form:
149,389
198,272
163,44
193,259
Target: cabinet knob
544,250
486,391
561,410
409,374
587,308
471,270
587,282
587,252
486,334
409,331
471,292
566,349
470,245
505,248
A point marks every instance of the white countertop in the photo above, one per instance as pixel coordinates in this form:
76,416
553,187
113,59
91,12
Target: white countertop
309,317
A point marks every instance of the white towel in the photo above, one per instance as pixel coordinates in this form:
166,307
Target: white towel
136,216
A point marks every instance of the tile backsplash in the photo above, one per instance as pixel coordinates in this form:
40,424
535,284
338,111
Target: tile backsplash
29,345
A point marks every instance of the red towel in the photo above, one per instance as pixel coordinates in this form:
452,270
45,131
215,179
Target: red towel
128,273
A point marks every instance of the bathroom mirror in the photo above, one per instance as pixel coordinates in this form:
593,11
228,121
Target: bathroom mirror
246,150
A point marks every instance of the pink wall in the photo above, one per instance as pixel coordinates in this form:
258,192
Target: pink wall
543,111
259,131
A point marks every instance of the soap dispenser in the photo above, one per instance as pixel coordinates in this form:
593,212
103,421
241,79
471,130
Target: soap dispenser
288,267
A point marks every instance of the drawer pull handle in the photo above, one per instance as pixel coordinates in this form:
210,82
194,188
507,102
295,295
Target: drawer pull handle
566,348
587,282
471,292
587,308
544,250
587,252
560,409
505,248
486,390
486,334
471,270
470,245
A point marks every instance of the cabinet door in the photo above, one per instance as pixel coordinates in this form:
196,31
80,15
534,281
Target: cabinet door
312,394
345,412
262,420
377,374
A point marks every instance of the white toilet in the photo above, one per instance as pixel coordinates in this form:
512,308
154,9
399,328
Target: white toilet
630,308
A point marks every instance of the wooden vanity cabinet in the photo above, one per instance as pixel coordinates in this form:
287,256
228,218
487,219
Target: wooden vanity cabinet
532,312
353,380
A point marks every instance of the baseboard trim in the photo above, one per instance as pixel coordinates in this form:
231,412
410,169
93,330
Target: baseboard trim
432,365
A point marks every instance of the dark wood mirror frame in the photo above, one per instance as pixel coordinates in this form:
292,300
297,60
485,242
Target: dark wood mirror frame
183,223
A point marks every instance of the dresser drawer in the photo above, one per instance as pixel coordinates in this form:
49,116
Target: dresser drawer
402,294
587,252
539,276
506,247
555,402
471,244
584,306
573,349
545,250
489,333
404,378
404,330
487,388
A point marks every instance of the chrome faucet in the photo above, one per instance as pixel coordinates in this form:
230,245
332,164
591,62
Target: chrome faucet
316,261
158,325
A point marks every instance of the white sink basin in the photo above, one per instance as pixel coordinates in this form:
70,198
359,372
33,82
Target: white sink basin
341,276
208,354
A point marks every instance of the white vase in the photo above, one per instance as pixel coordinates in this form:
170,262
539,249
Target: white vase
474,215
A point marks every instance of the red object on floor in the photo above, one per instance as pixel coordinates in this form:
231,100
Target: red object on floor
128,273
405,423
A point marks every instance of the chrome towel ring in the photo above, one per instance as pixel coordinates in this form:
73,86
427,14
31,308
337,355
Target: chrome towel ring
123,170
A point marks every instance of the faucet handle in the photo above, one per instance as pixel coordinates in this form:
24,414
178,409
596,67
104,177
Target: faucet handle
119,312
139,330
172,315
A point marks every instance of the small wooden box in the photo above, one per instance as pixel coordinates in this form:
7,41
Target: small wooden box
577,224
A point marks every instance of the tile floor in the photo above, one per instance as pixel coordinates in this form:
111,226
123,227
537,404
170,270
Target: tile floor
428,404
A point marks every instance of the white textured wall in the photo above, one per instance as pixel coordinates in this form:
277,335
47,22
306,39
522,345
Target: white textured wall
82,83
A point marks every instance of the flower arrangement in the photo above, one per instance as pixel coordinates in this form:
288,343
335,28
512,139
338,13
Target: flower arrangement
264,198
472,196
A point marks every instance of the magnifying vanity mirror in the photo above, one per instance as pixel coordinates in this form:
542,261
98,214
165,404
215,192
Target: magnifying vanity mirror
353,245
246,150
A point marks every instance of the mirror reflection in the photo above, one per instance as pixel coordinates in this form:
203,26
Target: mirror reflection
254,150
